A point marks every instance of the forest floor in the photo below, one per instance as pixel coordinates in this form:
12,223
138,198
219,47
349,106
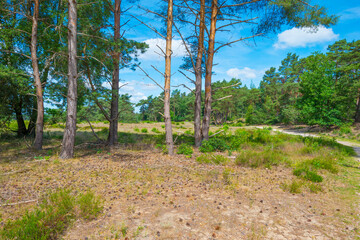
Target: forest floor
149,195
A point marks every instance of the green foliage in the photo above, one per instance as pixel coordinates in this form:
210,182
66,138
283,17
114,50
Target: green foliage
163,148
89,206
214,144
49,219
212,159
256,159
185,149
144,130
308,169
136,129
155,130
315,188
319,103
294,187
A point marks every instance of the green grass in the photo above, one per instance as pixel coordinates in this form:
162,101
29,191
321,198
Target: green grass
294,187
254,159
212,159
144,130
52,216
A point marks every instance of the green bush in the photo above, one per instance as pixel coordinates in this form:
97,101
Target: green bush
136,129
144,130
155,130
214,144
185,149
212,159
265,158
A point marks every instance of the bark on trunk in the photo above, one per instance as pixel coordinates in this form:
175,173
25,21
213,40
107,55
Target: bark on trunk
21,131
168,127
67,150
39,129
114,111
209,65
198,77
357,113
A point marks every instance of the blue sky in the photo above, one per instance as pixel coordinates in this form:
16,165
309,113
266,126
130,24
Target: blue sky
247,62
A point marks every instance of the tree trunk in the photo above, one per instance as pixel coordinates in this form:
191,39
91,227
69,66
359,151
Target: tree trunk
168,127
114,111
39,93
209,65
357,113
198,76
67,150
21,131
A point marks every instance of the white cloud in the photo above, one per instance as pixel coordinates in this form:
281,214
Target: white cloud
351,13
244,73
302,37
154,52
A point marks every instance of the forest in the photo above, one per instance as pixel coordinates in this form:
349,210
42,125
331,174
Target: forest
80,159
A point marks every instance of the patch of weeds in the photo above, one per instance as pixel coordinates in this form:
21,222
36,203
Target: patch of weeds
162,126
155,130
89,206
212,159
315,188
189,132
47,221
294,187
144,130
306,173
138,231
163,148
56,161
226,176
136,129
214,144
345,129
42,158
185,149
265,158
308,169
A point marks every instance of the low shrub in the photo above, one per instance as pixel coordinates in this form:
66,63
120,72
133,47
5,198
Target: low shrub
185,149
144,130
255,159
136,129
307,174
155,130
214,144
212,159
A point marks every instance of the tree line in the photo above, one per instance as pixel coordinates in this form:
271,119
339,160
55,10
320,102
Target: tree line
321,89
67,50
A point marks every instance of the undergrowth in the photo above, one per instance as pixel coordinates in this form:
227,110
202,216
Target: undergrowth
52,216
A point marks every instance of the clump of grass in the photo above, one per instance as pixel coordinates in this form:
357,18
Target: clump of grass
162,126
212,159
294,187
51,217
306,173
136,129
308,169
315,188
89,206
155,130
185,149
144,130
255,159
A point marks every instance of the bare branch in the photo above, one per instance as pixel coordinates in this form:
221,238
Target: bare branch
149,77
